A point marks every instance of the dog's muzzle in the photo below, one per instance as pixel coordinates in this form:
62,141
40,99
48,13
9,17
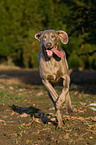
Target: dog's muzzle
49,45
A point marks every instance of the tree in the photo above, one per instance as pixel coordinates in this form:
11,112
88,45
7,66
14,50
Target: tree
81,25
83,20
19,21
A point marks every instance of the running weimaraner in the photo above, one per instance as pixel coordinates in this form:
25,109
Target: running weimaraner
53,67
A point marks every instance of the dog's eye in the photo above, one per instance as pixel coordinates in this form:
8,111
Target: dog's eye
52,36
44,37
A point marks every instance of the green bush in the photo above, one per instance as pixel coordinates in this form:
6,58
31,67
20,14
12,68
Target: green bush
19,21
34,60
75,61
94,62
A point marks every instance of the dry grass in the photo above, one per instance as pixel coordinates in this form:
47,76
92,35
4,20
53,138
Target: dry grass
31,119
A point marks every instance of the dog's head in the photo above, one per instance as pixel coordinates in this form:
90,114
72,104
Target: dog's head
49,40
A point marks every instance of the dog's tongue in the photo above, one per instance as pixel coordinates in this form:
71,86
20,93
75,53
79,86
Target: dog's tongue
57,52
49,53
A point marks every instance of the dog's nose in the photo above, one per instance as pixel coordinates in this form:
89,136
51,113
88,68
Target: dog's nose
49,45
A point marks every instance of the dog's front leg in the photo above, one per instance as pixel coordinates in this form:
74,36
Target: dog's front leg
54,96
65,95
57,111
50,88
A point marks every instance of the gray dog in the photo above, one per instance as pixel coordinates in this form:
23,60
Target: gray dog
53,67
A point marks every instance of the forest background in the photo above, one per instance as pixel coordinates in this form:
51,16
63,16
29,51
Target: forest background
21,19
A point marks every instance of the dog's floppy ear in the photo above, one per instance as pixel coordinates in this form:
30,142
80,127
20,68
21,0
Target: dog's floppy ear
38,35
63,36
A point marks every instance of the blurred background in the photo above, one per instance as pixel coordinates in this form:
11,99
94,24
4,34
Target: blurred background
21,19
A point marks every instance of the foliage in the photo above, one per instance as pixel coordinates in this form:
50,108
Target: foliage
75,61
19,21
82,31
83,20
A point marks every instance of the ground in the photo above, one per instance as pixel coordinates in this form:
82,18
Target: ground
27,114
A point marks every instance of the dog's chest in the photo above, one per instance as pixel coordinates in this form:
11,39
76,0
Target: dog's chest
51,70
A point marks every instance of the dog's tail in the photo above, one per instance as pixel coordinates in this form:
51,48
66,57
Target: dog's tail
70,71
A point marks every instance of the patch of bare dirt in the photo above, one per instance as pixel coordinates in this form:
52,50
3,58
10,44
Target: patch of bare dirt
27,113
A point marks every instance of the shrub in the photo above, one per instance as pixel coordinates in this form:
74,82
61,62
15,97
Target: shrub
94,61
75,61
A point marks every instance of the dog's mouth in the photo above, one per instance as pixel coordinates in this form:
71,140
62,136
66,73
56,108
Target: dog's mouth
54,50
49,53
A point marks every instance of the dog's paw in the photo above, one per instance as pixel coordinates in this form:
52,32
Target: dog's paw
60,127
70,110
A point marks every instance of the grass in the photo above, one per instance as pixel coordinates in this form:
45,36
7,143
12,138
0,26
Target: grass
17,128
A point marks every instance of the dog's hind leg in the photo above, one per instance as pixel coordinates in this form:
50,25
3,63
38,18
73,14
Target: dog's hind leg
65,95
68,103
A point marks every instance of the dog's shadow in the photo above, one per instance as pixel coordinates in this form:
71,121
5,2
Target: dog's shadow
33,111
